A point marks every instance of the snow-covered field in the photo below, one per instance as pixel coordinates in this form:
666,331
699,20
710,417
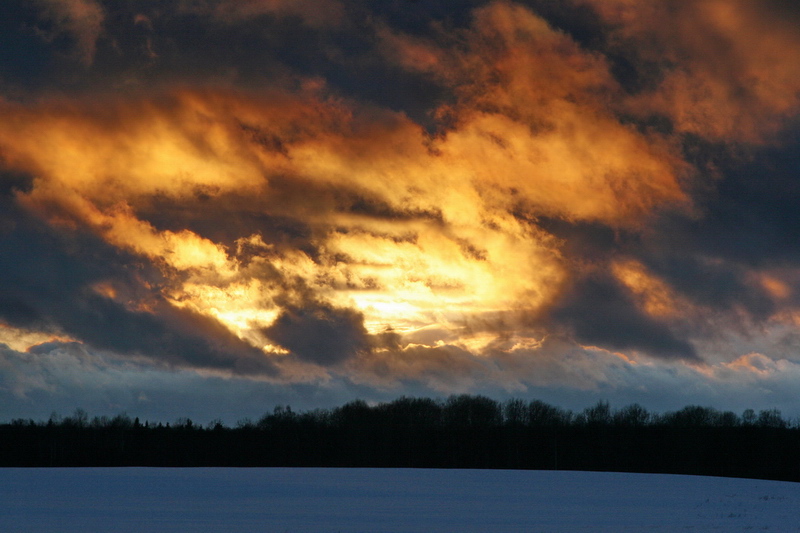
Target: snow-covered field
381,500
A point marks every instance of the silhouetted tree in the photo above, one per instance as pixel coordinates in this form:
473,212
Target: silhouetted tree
633,415
460,432
472,411
692,416
409,413
515,413
79,419
542,414
771,418
598,415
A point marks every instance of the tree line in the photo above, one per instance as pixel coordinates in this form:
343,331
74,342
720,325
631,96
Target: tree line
463,431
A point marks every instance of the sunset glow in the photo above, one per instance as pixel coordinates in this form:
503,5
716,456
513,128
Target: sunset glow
483,196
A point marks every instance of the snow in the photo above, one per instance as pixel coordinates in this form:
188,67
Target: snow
386,500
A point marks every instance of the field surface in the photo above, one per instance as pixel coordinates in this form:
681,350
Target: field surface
386,500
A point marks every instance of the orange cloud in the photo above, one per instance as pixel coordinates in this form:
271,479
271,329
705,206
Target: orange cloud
536,124
731,68
758,365
23,339
654,295
422,235
450,252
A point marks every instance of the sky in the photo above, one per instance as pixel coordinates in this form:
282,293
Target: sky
210,207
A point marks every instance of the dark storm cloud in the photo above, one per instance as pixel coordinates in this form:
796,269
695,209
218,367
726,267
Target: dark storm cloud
174,336
586,241
747,222
248,44
76,45
11,183
599,311
24,58
281,218
751,216
234,217
320,334
151,43
719,286
49,282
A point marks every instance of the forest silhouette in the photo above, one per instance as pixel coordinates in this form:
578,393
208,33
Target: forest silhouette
463,431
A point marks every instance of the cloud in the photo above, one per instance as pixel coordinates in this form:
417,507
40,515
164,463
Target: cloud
82,20
599,311
82,288
61,377
320,334
437,196
748,217
539,112
725,70
362,242
317,13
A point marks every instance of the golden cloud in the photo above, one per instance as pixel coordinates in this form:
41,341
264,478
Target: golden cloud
654,296
422,235
731,68
536,121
